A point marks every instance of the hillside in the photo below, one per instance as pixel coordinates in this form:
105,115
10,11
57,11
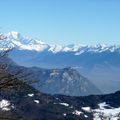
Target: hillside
28,103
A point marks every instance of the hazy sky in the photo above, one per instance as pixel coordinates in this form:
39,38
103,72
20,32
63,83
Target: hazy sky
63,21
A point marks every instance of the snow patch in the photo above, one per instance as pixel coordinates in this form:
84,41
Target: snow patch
54,73
64,104
5,105
76,112
86,116
31,95
103,113
64,114
87,109
36,101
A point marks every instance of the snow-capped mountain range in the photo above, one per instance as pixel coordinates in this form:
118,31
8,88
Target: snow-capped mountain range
97,63
16,40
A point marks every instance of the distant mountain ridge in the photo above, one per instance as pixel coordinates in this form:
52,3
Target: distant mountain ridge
98,63
18,41
65,81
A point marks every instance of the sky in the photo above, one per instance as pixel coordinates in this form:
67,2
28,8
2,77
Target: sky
63,21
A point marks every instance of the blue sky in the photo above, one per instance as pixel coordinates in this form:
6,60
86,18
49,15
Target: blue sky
63,21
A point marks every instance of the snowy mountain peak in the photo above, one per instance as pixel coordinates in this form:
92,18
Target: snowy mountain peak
56,48
16,40
13,35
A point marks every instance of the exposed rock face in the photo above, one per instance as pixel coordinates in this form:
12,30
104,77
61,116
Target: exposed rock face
65,81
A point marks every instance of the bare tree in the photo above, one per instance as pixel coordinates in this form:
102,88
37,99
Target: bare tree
7,80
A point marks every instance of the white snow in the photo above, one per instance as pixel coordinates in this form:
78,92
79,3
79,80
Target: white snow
24,43
5,105
67,49
64,104
64,114
15,40
87,109
80,52
55,48
31,95
36,101
103,113
13,35
103,105
86,116
76,112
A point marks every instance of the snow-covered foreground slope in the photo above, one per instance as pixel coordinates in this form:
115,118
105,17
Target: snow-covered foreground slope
106,112
5,105
21,101
27,102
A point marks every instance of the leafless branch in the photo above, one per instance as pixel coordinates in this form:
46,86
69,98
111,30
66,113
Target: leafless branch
7,80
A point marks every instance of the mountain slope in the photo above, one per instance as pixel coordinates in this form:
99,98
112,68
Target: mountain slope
40,54
91,61
65,81
28,103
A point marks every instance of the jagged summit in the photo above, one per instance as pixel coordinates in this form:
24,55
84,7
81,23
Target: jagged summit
15,39
14,35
